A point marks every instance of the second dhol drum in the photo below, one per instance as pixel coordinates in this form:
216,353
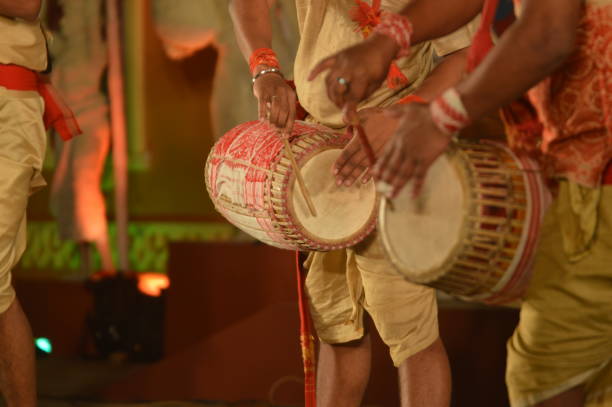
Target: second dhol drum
250,180
473,230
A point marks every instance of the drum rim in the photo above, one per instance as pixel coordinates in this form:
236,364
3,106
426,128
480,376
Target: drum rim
456,160
313,242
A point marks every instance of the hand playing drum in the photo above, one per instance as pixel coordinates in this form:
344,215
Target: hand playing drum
277,101
379,124
414,147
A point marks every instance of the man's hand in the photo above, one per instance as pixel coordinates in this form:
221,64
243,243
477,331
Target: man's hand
379,125
363,68
277,101
414,147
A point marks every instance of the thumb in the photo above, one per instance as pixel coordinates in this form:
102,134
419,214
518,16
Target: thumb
327,63
349,114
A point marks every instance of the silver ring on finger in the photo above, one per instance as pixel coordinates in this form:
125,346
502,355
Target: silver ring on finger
343,82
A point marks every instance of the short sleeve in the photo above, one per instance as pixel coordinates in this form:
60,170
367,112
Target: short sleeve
462,38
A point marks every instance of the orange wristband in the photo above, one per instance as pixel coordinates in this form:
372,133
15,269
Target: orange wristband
263,56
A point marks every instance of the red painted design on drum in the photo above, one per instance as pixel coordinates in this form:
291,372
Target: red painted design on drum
248,179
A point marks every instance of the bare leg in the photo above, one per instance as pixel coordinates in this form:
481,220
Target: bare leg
343,373
425,378
571,398
17,361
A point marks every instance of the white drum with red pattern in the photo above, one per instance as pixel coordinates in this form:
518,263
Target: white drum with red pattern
251,183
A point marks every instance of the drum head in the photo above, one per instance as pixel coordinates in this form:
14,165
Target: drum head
344,214
420,235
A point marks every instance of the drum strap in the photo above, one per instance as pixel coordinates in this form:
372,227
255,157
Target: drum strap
306,338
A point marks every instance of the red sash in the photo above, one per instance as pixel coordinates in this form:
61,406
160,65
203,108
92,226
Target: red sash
57,114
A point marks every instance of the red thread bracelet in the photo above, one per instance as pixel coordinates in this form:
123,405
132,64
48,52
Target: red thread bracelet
398,28
448,112
263,56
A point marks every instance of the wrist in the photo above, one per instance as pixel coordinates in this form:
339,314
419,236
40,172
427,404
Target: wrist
260,68
385,45
267,71
448,112
263,57
399,29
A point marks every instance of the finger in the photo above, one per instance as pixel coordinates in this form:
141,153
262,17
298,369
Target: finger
355,172
327,63
357,160
349,114
395,165
283,112
274,110
291,119
263,108
418,176
367,176
357,92
402,175
346,154
336,90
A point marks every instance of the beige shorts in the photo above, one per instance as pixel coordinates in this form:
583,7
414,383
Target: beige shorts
22,147
564,337
342,284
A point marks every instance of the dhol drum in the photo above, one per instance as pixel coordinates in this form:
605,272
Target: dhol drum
473,230
250,180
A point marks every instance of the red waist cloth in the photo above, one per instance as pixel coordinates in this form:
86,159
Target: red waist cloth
57,114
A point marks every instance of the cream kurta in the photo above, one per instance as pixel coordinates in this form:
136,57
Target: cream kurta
22,43
326,28
22,145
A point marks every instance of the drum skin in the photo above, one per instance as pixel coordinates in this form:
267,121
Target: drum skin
250,180
473,230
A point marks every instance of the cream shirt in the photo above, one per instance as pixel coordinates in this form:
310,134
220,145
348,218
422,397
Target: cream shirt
22,43
326,28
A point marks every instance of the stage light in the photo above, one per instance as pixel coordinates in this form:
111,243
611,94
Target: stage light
43,345
152,284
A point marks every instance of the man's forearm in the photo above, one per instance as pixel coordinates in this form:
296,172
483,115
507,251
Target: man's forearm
530,50
26,9
447,74
252,24
433,19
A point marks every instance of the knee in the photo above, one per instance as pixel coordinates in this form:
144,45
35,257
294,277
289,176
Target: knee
434,351
7,297
344,349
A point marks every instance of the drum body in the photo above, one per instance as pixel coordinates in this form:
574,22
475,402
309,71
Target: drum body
473,230
251,183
